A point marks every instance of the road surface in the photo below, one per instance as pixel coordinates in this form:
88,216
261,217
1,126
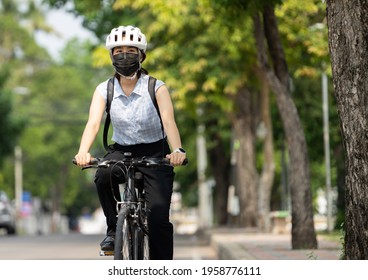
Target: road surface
86,247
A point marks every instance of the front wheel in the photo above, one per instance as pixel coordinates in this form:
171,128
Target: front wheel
143,245
123,237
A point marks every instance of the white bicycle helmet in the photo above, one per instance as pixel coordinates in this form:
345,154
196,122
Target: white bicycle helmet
126,36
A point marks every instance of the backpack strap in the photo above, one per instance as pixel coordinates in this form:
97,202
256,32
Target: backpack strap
110,96
151,90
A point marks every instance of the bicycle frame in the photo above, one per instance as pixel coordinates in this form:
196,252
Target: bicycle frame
132,197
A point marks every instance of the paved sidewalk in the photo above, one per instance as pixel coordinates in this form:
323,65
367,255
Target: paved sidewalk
242,244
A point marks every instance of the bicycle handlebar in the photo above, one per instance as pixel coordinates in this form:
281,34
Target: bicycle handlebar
129,161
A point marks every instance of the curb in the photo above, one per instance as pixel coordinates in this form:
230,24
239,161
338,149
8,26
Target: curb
232,251
245,244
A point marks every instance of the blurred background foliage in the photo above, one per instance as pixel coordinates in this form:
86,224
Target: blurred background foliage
204,51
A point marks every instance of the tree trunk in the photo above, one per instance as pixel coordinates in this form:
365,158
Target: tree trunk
247,177
303,233
57,196
268,168
348,43
220,166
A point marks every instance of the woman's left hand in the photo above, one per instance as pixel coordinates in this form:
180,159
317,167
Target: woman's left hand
176,158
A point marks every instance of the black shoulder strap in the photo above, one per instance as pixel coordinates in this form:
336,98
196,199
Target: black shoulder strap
110,96
151,90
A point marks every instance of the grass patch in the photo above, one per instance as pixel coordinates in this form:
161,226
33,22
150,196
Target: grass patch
336,235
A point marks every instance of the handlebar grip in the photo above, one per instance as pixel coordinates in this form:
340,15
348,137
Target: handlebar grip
167,161
92,162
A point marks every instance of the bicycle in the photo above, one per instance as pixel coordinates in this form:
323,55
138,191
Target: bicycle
131,237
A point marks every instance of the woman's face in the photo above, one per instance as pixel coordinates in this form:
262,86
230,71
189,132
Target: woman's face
124,49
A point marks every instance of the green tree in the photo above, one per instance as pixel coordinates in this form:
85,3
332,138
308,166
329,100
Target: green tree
19,56
55,108
303,28
58,109
10,125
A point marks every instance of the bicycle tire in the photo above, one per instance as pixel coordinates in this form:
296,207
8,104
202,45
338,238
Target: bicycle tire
123,237
143,245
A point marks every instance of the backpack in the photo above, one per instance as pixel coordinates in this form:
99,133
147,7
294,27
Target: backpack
110,95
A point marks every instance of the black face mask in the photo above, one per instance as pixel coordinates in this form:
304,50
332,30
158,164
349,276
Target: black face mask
126,63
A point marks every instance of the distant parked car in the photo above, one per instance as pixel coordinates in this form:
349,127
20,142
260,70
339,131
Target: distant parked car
7,214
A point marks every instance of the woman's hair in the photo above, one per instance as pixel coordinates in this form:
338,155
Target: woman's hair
142,70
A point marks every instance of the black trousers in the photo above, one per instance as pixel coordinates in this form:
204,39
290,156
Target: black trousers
158,191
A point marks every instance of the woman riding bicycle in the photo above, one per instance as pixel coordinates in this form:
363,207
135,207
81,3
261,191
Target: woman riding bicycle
136,129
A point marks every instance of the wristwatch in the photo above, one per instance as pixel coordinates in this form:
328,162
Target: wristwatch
179,150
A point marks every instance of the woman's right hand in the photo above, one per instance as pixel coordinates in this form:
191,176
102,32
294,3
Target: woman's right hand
83,159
